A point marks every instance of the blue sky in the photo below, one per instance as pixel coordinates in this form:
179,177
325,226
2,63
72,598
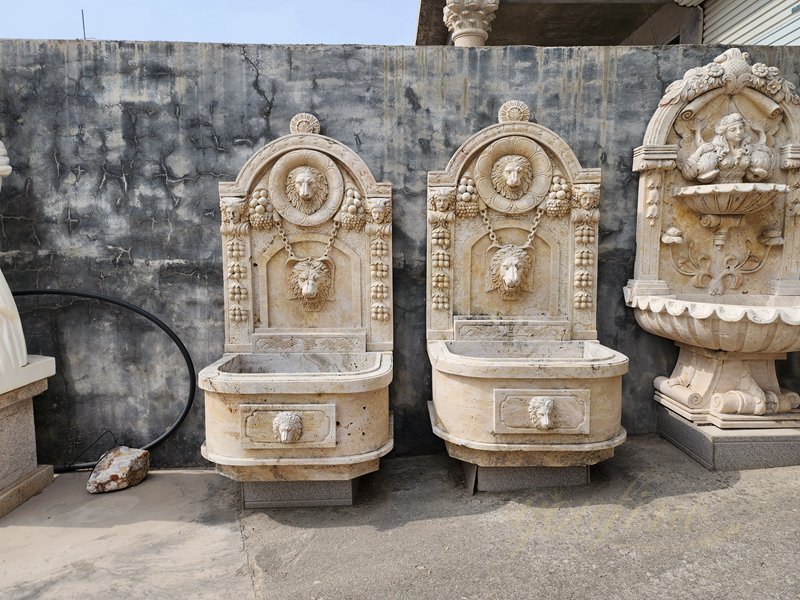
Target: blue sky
391,22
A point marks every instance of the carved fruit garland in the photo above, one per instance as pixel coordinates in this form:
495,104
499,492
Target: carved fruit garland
442,210
379,229
235,228
585,218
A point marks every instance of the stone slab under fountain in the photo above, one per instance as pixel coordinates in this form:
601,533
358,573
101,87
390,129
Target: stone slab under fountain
718,258
523,393
22,376
298,407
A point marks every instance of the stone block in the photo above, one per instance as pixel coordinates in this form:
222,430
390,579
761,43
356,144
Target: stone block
506,479
20,478
293,494
730,449
24,488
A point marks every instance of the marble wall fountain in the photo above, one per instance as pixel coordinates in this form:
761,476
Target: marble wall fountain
298,407
523,393
22,376
718,259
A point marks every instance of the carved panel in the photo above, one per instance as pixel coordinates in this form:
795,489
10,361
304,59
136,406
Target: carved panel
541,411
276,425
510,330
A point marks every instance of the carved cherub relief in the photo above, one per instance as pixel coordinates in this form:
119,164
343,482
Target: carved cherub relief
731,156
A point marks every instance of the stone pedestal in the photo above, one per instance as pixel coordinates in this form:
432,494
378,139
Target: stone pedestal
730,449
507,479
20,476
294,494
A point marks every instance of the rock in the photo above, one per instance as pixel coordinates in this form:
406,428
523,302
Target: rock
119,468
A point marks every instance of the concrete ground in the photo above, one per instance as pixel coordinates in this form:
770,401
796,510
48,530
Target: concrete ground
652,524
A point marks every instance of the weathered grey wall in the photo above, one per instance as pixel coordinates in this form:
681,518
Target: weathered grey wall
118,147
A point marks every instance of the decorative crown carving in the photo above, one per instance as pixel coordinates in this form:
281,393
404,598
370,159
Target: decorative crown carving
514,110
304,123
731,70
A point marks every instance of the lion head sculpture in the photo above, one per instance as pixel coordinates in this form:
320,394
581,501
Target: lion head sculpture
510,271
541,411
306,189
512,176
288,426
311,281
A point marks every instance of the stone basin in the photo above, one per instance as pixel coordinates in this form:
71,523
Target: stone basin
758,324
483,390
514,358
296,373
730,198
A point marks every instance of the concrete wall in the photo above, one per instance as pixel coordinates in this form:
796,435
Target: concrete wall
117,149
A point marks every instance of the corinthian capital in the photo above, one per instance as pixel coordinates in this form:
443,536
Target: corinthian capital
468,20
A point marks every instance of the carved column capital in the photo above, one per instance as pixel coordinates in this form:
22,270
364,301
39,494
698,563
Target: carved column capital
469,20
652,157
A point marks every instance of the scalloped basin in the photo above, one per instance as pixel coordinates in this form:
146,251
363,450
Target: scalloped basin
766,324
298,373
730,198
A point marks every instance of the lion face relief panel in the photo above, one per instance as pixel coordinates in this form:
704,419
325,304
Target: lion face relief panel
519,379
301,394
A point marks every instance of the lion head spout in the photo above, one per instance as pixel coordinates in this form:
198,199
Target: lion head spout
288,426
510,271
541,411
311,281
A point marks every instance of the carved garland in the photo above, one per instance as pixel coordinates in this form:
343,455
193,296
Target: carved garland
234,228
442,208
380,230
585,217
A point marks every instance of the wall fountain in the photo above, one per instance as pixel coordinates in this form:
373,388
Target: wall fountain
298,408
718,259
523,394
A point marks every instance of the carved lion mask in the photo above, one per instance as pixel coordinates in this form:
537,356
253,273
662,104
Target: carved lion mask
512,176
541,412
311,281
288,426
510,271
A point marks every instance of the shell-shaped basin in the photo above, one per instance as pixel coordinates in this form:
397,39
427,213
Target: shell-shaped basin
526,359
767,324
298,373
730,198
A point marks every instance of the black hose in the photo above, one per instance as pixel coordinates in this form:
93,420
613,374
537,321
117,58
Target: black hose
153,319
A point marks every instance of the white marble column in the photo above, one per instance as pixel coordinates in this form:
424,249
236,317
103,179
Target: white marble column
469,21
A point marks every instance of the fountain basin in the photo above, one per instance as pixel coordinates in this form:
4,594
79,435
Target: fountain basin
341,401
764,324
484,394
730,198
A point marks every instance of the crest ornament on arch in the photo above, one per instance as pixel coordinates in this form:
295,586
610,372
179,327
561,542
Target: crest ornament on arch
304,123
